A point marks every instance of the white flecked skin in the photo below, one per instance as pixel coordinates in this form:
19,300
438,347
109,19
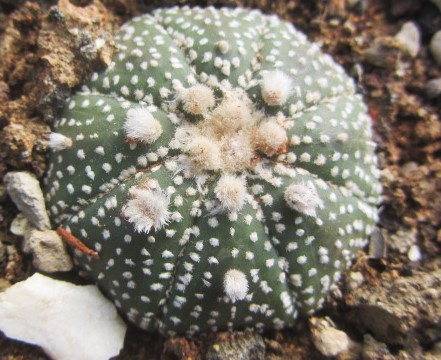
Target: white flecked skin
174,279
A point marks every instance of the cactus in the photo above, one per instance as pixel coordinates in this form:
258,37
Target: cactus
222,169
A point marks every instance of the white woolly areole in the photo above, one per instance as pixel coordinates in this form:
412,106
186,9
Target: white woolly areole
235,285
204,152
231,192
303,198
271,138
237,152
234,113
197,100
58,142
276,86
140,125
147,208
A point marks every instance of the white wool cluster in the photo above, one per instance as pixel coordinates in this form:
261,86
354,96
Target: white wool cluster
276,87
235,112
271,138
237,151
231,191
235,285
204,152
59,142
303,197
147,208
140,125
197,100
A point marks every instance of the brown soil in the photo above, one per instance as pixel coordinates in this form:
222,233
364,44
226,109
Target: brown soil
41,61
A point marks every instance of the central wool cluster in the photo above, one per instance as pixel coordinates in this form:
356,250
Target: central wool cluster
221,171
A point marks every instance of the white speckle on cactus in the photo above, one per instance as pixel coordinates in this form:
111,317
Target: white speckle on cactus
235,285
140,125
303,198
59,142
276,87
147,208
231,191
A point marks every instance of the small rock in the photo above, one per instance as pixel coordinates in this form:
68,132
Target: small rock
24,189
435,46
68,321
433,88
49,253
402,240
327,339
377,244
20,226
409,37
354,280
383,52
373,349
414,253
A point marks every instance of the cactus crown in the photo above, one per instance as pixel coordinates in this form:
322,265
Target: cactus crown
222,167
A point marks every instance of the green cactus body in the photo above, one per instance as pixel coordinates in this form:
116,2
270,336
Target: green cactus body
222,168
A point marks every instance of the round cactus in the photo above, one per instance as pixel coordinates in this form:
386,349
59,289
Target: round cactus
221,170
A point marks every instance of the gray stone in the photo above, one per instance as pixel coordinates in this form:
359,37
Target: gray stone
24,189
373,349
409,37
48,250
433,88
435,47
327,339
20,226
383,52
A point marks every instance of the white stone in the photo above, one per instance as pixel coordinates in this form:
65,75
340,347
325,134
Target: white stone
48,250
409,37
327,339
69,322
414,253
20,226
24,190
